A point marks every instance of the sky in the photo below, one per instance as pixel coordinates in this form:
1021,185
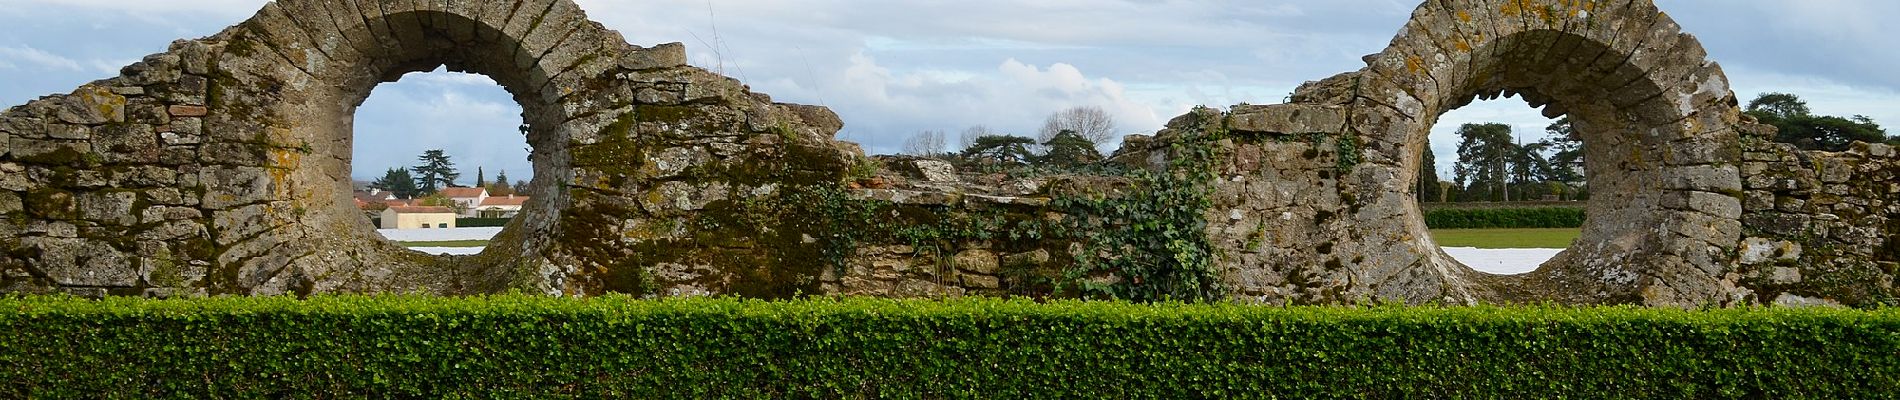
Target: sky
895,68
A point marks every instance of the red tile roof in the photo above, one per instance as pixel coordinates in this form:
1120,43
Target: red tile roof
422,210
505,201
463,192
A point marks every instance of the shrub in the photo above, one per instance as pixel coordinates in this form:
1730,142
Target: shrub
618,347
1493,218
482,222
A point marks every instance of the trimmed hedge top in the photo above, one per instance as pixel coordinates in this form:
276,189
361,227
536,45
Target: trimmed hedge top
1504,218
521,346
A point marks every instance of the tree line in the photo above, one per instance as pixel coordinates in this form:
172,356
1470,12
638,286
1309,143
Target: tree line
1493,165
1068,138
435,171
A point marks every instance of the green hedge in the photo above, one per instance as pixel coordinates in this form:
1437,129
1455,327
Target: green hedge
482,222
1492,218
616,347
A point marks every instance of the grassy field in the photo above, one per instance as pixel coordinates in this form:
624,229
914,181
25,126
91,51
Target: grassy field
451,243
1506,238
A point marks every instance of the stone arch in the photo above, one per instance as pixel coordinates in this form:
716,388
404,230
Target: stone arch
226,168
1658,119
329,55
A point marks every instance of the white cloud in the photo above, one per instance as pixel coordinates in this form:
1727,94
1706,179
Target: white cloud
895,68
32,56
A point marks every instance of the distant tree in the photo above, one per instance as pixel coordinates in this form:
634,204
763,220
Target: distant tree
501,187
1780,105
969,135
435,172
481,180
1796,125
1090,122
520,186
398,182
1069,149
1000,150
1566,160
1528,168
1428,188
1484,155
926,144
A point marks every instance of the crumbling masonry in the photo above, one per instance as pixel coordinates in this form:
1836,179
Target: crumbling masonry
221,167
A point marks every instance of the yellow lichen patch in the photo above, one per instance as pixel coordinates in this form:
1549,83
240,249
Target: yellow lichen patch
1464,16
1462,45
283,161
1415,64
1548,14
1512,8
109,105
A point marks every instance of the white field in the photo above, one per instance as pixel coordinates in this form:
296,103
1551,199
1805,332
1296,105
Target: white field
1502,262
439,235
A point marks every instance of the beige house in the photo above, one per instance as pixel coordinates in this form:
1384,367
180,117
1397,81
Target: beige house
399,217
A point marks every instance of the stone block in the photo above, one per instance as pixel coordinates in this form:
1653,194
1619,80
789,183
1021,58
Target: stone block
1759,200
1719,205
981,282
1708,178
1289,119
1778,224
670,55
52,152
235,186
114,207
68,131
1880,150
91,105
935,171
9,203
1034,259
977,262
182,111
128,144
80,262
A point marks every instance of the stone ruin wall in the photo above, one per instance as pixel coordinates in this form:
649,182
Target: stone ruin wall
1820,227
220,167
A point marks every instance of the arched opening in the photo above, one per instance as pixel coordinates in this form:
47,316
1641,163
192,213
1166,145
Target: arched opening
1657,122
1502,187
431,161
334,66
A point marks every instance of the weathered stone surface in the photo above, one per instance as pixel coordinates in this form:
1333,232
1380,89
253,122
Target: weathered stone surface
654,177
181,111
977,262
9,203
670,55
936,171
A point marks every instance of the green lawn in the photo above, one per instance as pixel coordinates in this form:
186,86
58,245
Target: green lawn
1506,238
451,243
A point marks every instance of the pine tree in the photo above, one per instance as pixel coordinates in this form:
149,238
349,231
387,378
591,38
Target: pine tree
1428,189
1000,150
435,172
1068,149
481,180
